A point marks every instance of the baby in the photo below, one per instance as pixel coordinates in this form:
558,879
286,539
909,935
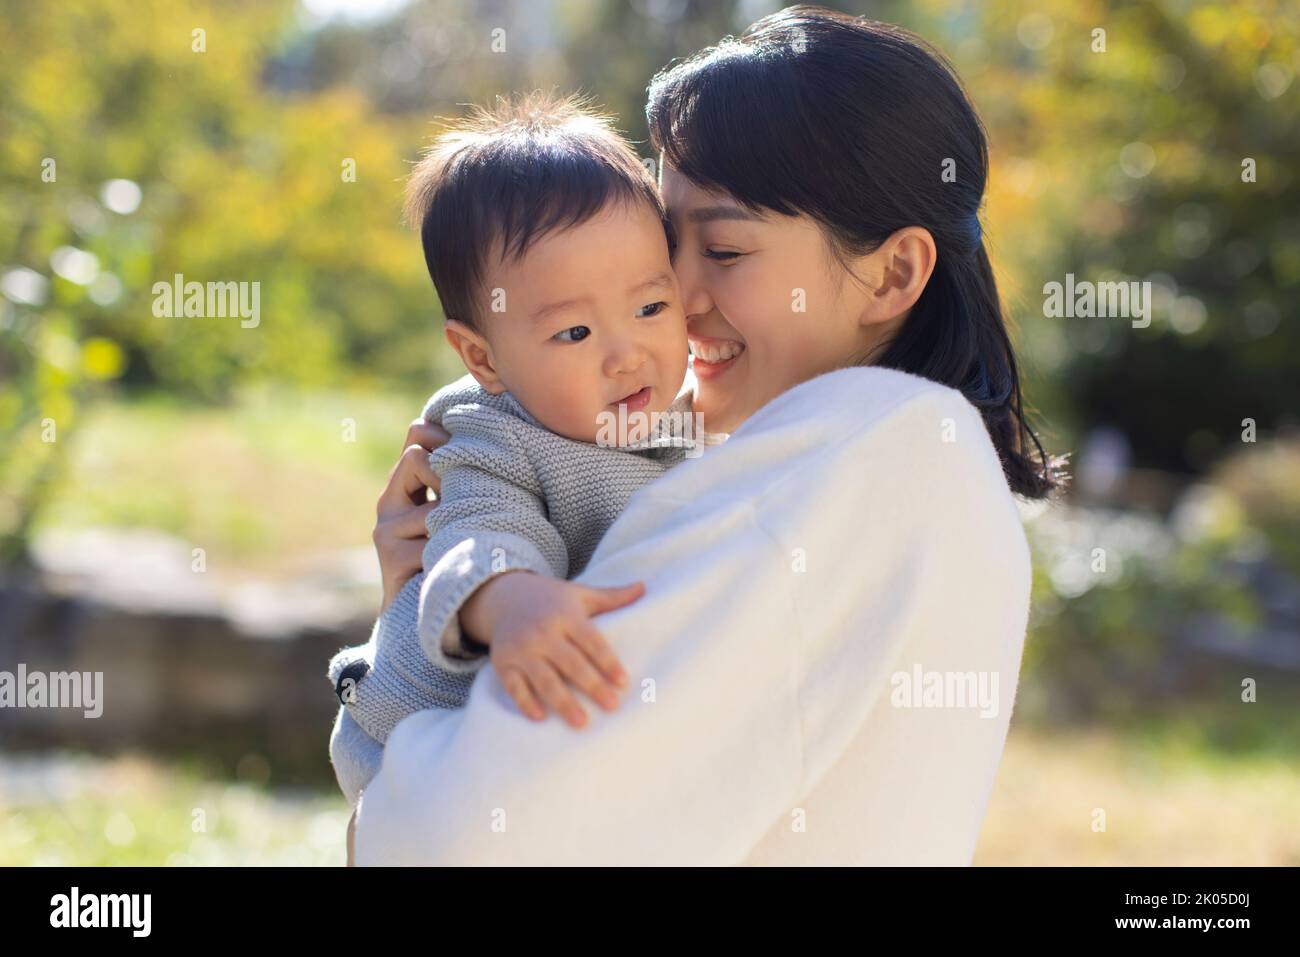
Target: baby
547,243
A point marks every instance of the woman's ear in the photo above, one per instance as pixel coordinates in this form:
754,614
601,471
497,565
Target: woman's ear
476,353
900,268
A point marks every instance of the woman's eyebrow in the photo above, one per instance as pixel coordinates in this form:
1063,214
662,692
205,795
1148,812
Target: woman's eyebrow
710,214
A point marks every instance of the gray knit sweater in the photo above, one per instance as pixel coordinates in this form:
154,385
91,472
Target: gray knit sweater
514,496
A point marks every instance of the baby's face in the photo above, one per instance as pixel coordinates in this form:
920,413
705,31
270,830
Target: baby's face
591,316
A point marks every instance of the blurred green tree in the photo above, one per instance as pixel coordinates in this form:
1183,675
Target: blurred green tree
244,142
141,142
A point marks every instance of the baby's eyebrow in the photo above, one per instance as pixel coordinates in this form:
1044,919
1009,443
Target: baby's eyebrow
659,279
551,308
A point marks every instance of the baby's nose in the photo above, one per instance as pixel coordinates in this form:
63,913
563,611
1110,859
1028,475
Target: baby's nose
628,357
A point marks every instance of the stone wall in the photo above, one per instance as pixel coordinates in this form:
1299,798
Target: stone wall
229,678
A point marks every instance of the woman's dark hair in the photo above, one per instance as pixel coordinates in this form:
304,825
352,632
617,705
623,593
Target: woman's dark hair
854,123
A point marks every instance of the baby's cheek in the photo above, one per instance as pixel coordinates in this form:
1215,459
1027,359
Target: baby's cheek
581,416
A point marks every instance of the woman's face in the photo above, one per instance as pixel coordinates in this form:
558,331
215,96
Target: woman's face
764,297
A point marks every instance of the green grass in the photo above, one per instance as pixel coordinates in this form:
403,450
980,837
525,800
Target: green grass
75,810
1167,802
259,485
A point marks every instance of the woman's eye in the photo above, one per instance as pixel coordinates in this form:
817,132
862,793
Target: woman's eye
653,309
721,255
581,332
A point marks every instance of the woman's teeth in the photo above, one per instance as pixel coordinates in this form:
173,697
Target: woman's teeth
716,351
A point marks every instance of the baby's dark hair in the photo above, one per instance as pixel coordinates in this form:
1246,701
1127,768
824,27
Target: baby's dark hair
500,179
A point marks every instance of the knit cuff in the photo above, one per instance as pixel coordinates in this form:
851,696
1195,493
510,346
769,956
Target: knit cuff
390,676
449,584
358,658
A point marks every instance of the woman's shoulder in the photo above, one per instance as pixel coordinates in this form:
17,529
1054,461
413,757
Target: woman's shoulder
916,425
855,398
911,419
860,428
893,453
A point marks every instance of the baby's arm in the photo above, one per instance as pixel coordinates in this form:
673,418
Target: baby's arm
490,520
390,676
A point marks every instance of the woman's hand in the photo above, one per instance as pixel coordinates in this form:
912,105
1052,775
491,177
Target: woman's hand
400,532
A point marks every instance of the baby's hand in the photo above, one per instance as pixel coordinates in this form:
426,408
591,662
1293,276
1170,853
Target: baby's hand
540,633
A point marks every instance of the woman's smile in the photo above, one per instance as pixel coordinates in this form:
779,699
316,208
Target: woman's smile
714,356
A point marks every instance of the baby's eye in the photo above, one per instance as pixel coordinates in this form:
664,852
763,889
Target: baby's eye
653,309
582,333
721,255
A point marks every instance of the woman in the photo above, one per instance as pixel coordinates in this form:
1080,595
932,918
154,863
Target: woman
835,602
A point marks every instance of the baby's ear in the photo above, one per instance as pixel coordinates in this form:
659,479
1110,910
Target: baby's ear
476,353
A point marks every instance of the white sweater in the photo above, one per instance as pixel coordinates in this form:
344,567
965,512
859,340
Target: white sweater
854,535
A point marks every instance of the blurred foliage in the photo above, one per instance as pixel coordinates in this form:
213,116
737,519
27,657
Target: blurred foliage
1116,592
1129,164
1262,487
229,164
235,181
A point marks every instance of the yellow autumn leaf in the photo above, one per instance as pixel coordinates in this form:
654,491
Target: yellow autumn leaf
102,358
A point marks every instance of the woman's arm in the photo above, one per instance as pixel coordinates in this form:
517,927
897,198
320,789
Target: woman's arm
789,576
488,773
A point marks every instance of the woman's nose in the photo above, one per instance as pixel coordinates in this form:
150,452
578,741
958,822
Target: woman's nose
696,300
